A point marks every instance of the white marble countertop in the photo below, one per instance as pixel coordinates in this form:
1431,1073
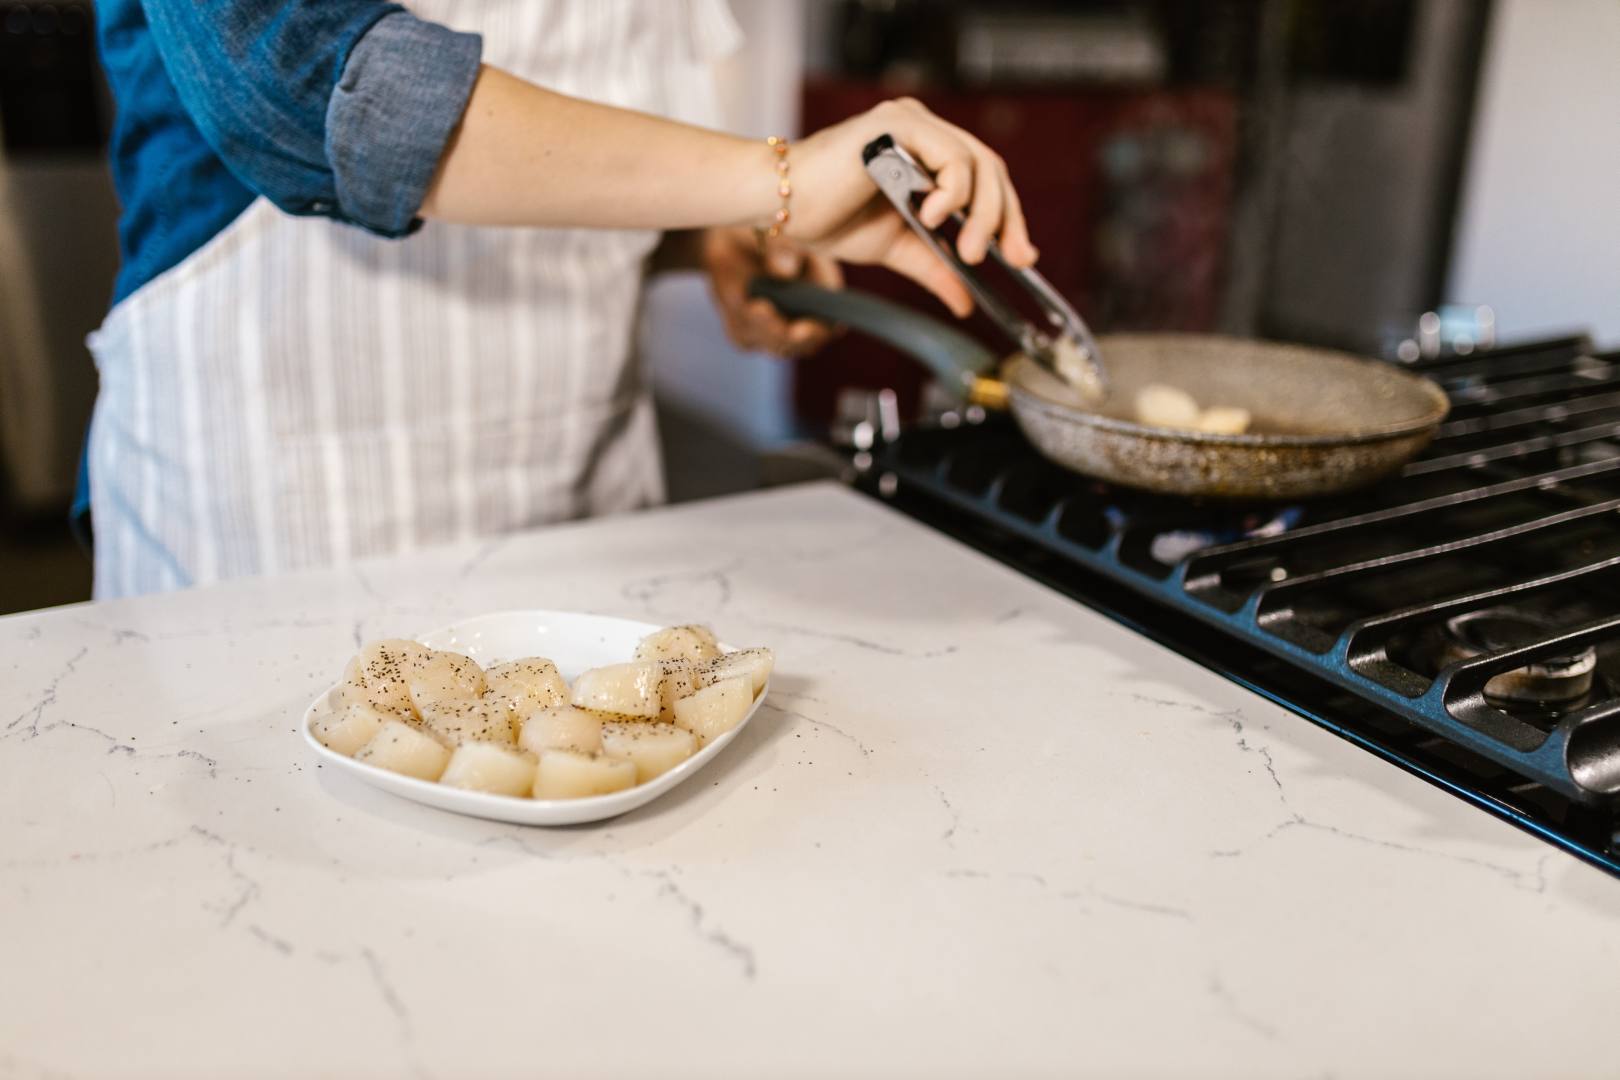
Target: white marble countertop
978,830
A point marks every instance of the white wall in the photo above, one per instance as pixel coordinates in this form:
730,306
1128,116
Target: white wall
759,84
748,395
1539,233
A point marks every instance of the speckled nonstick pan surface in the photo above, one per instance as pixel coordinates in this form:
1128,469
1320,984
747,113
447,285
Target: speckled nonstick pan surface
1322,421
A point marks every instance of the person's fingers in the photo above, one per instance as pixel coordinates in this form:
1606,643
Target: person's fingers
968,175
985,212
730,284
800,336
823,271
1009,225
738,333
764,320
740,324
912,258
783,260
1015,242
953,187
754,324
806,336
729,271
947,155
750,336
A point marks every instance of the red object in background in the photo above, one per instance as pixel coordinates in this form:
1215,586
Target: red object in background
1127,194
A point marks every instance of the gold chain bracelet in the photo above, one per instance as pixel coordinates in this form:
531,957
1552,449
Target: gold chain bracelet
784,186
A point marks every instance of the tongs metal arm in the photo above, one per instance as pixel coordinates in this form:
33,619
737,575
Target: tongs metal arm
901,177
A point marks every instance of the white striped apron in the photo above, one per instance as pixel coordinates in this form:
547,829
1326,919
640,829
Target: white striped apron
299,392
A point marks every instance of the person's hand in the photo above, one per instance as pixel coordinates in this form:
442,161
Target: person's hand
732,257
838,211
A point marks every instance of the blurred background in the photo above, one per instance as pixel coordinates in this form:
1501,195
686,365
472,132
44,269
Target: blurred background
1310,170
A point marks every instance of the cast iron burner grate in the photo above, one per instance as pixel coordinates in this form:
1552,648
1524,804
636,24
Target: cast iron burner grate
1461,619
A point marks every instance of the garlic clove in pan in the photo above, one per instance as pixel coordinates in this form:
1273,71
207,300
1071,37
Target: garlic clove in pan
1224,420
1159,405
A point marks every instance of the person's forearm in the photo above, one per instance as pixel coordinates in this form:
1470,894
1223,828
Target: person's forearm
526,156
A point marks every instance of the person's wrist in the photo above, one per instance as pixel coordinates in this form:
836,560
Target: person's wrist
829,182
782,165
752,168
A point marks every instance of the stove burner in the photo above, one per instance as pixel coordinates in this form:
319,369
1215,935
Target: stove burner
1171,547
1342,616
1556,679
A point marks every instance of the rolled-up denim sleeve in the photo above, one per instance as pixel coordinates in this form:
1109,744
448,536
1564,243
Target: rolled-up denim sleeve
401,95
340,108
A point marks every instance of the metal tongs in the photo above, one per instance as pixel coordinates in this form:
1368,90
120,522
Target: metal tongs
1067,350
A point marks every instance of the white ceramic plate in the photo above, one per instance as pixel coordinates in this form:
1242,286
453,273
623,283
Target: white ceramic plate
574,643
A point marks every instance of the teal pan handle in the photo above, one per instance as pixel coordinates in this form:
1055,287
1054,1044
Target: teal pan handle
950,354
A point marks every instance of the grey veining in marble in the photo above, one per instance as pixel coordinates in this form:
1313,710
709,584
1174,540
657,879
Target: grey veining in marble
978,830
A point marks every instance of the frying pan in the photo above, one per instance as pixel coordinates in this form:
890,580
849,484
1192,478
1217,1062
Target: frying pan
1322,421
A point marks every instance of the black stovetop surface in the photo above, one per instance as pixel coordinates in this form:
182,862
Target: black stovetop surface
1349,611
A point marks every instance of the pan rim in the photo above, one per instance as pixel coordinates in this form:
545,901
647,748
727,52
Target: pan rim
1024,397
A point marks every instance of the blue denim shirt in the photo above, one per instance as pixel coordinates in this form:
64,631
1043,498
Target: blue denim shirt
338,108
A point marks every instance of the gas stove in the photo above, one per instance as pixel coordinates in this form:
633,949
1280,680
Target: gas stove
1460,619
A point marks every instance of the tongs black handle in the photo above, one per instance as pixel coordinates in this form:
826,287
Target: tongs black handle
901,177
